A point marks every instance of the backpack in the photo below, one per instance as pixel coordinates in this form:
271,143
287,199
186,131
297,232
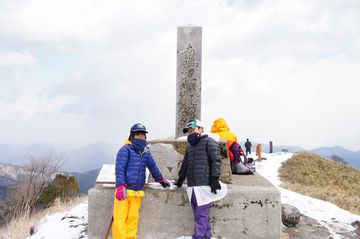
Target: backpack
239,165
244,168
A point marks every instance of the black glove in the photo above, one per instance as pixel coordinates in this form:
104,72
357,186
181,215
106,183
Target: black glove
164,182
179,182
214,184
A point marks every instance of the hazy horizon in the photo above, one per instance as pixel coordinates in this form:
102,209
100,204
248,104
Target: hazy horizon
70,146
80,72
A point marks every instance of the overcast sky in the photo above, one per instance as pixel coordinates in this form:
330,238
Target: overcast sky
84,71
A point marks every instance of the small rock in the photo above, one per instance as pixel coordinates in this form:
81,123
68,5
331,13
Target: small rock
290,215
32,230
307,228
356,224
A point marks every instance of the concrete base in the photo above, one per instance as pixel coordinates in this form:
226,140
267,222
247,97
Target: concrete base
251,210
100,206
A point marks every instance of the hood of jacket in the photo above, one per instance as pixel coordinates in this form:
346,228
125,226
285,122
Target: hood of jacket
221,128
219,125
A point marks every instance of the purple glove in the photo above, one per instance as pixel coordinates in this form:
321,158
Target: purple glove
121,192
163,182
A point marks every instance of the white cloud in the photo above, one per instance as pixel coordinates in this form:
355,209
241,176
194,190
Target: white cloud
276,70
29,107
17,59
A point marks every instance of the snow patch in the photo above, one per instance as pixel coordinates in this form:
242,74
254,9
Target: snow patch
337,220
71,224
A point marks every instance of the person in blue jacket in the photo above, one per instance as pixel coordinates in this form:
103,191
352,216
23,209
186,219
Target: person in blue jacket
131,162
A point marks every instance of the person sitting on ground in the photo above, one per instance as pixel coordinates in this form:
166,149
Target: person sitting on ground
238,166
221,128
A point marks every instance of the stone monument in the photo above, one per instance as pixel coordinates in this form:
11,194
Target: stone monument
250,210
188,76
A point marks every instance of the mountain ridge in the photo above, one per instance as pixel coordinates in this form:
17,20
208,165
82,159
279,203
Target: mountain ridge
93,156
351,157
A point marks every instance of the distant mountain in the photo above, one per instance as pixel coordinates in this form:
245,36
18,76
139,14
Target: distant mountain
352,158
276,148
84,163
93,156
9,175
87,179
81,159
279,148
89,157
16,154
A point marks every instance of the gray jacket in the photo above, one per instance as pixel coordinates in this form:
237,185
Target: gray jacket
201,161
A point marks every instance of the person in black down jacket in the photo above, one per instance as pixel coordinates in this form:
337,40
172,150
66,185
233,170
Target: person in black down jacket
201,168
248,146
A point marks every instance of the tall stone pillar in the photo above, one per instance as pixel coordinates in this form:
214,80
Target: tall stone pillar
188,76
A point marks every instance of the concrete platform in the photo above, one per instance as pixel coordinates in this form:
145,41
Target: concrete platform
251,210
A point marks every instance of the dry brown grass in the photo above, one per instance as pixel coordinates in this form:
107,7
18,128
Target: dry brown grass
20,227
312,175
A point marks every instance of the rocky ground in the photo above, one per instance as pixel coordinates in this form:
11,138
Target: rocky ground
307,228
310,229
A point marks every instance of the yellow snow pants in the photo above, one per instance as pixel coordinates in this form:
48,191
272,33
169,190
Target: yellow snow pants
126,215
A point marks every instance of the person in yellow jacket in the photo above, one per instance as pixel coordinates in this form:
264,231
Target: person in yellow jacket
221,128
131,161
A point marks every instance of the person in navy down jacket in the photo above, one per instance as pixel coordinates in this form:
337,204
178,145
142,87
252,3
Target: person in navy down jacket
131,162
201,167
